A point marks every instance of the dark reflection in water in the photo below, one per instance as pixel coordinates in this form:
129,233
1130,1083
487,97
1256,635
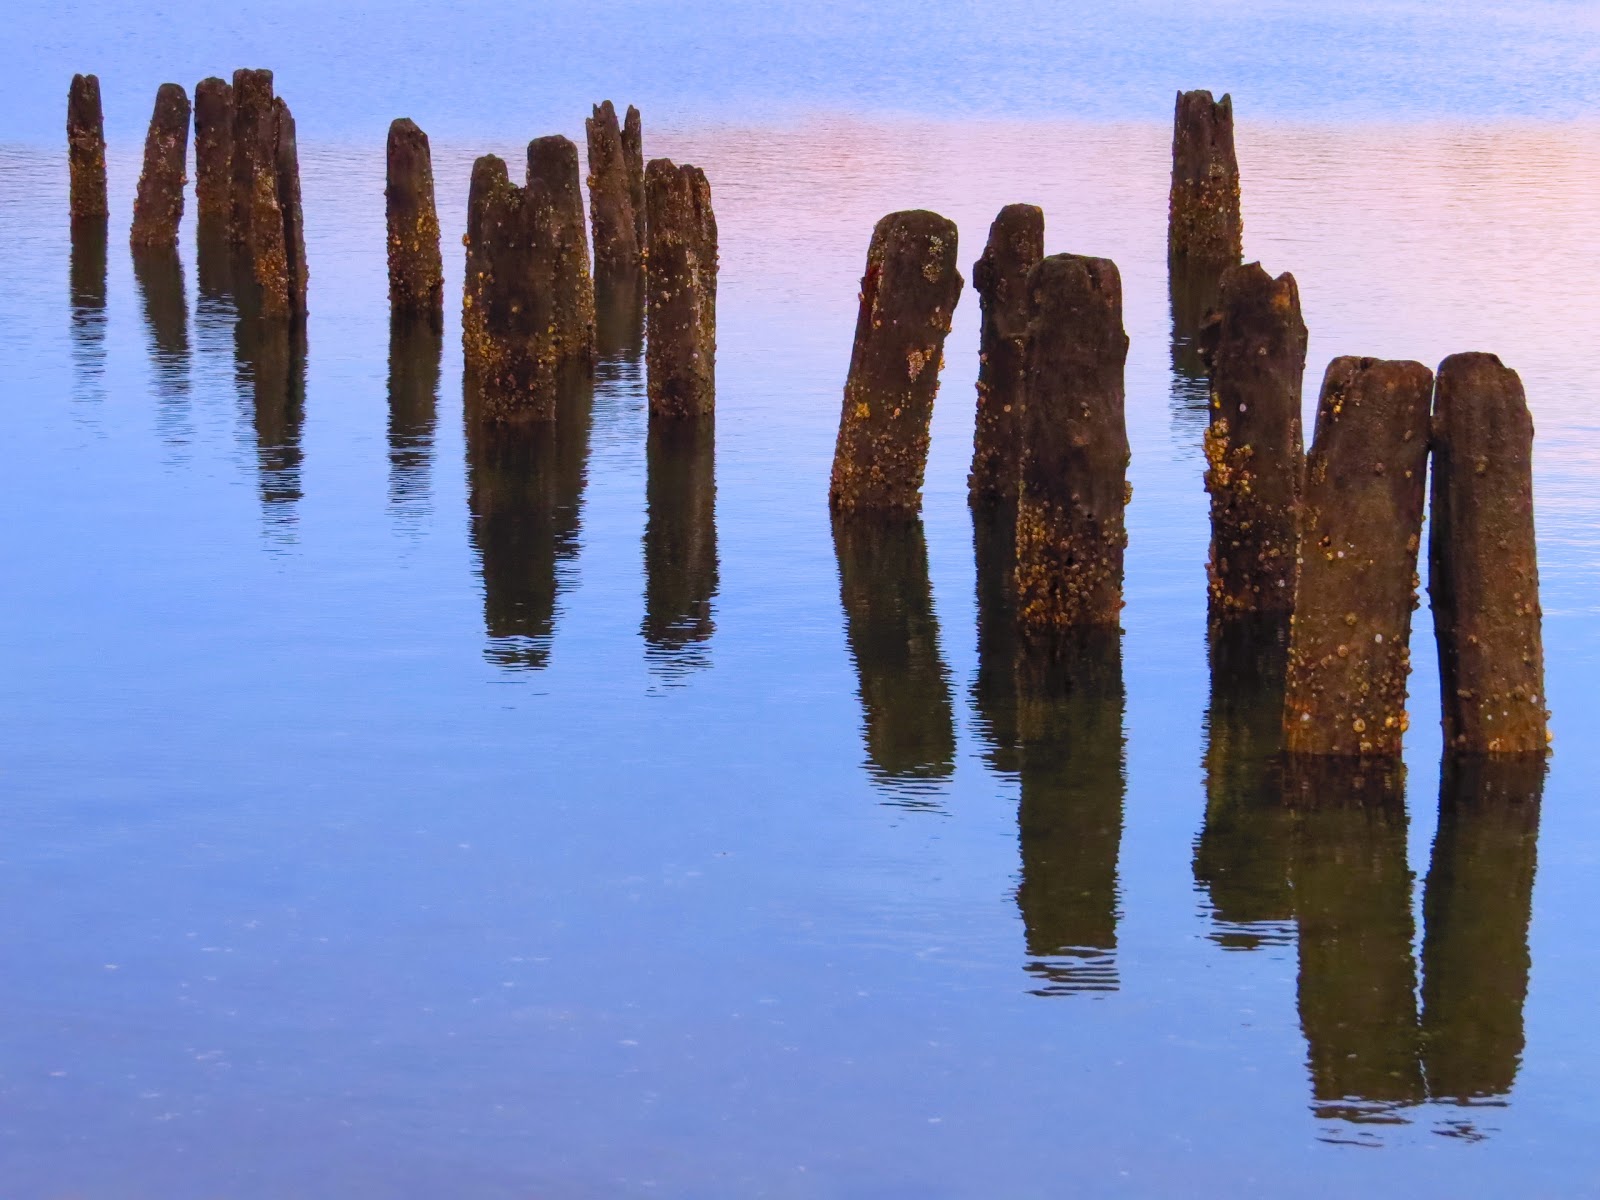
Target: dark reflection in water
994,688
619,322
680,545
525,488
271,368
159,275
86,285
1242,856
215,310
1069,710
1476,908
1358,977
909,724
1193,290
416,348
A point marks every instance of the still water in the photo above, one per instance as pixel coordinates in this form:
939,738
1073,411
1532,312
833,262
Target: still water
393,812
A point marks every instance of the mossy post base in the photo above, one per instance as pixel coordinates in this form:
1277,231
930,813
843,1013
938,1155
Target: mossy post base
1483,576
1349,646
908,295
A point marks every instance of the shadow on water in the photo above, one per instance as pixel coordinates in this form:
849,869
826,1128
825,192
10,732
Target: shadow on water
994,687
1069,714
908,720
1241,858
86,286
416,350
1193,290
525,487
159,276
680,546
1476,907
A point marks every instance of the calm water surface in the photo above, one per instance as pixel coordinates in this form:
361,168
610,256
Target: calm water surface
394,812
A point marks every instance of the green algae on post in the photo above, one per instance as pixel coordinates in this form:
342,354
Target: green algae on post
1071,533
86,149
158,206
681,292
1204,223
1256,346
416,269
908,295
213,152
1000,276
1361,524
1483,565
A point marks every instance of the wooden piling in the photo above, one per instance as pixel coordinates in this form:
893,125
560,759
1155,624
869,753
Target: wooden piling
1071,533
908,295
1483,566
1203,217
86,149
1256,347
616,239
416,269
681,306
158,205
1000,276
633,156
1360,527
213,152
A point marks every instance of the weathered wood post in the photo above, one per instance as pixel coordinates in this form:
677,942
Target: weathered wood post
633,156
158,205
1203,219
1256,346
213,152
908,294
416,270
1483,567
1071,533
681,306
1016,244
1349,651
268,234
86,149
287,171
561,245
616,240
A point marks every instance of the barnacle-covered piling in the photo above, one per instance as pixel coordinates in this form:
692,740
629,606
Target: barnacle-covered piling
1070,511
1361,522
416,270
86,149
213,152
681,309
908,294
287,170
267,221
616,238
633,156
1256,344
1203,219
1016,244
158,205
1483,568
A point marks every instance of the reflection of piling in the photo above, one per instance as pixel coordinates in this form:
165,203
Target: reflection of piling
908,295
909,724
213,152
1476,909
680,544
1069,718
681,348
1483,576
416,346
616,238
1361,523
1016,244
159,276
1203,219
272,365
528,309
215,309
86,288
1257,348
416,271
1070,513
994,686
525,487
158,205
86,149
1242,855
619,302
1352,900
633,157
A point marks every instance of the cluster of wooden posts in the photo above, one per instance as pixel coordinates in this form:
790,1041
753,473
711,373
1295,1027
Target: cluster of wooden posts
1330,540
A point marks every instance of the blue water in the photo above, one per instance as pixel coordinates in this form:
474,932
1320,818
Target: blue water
376,824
